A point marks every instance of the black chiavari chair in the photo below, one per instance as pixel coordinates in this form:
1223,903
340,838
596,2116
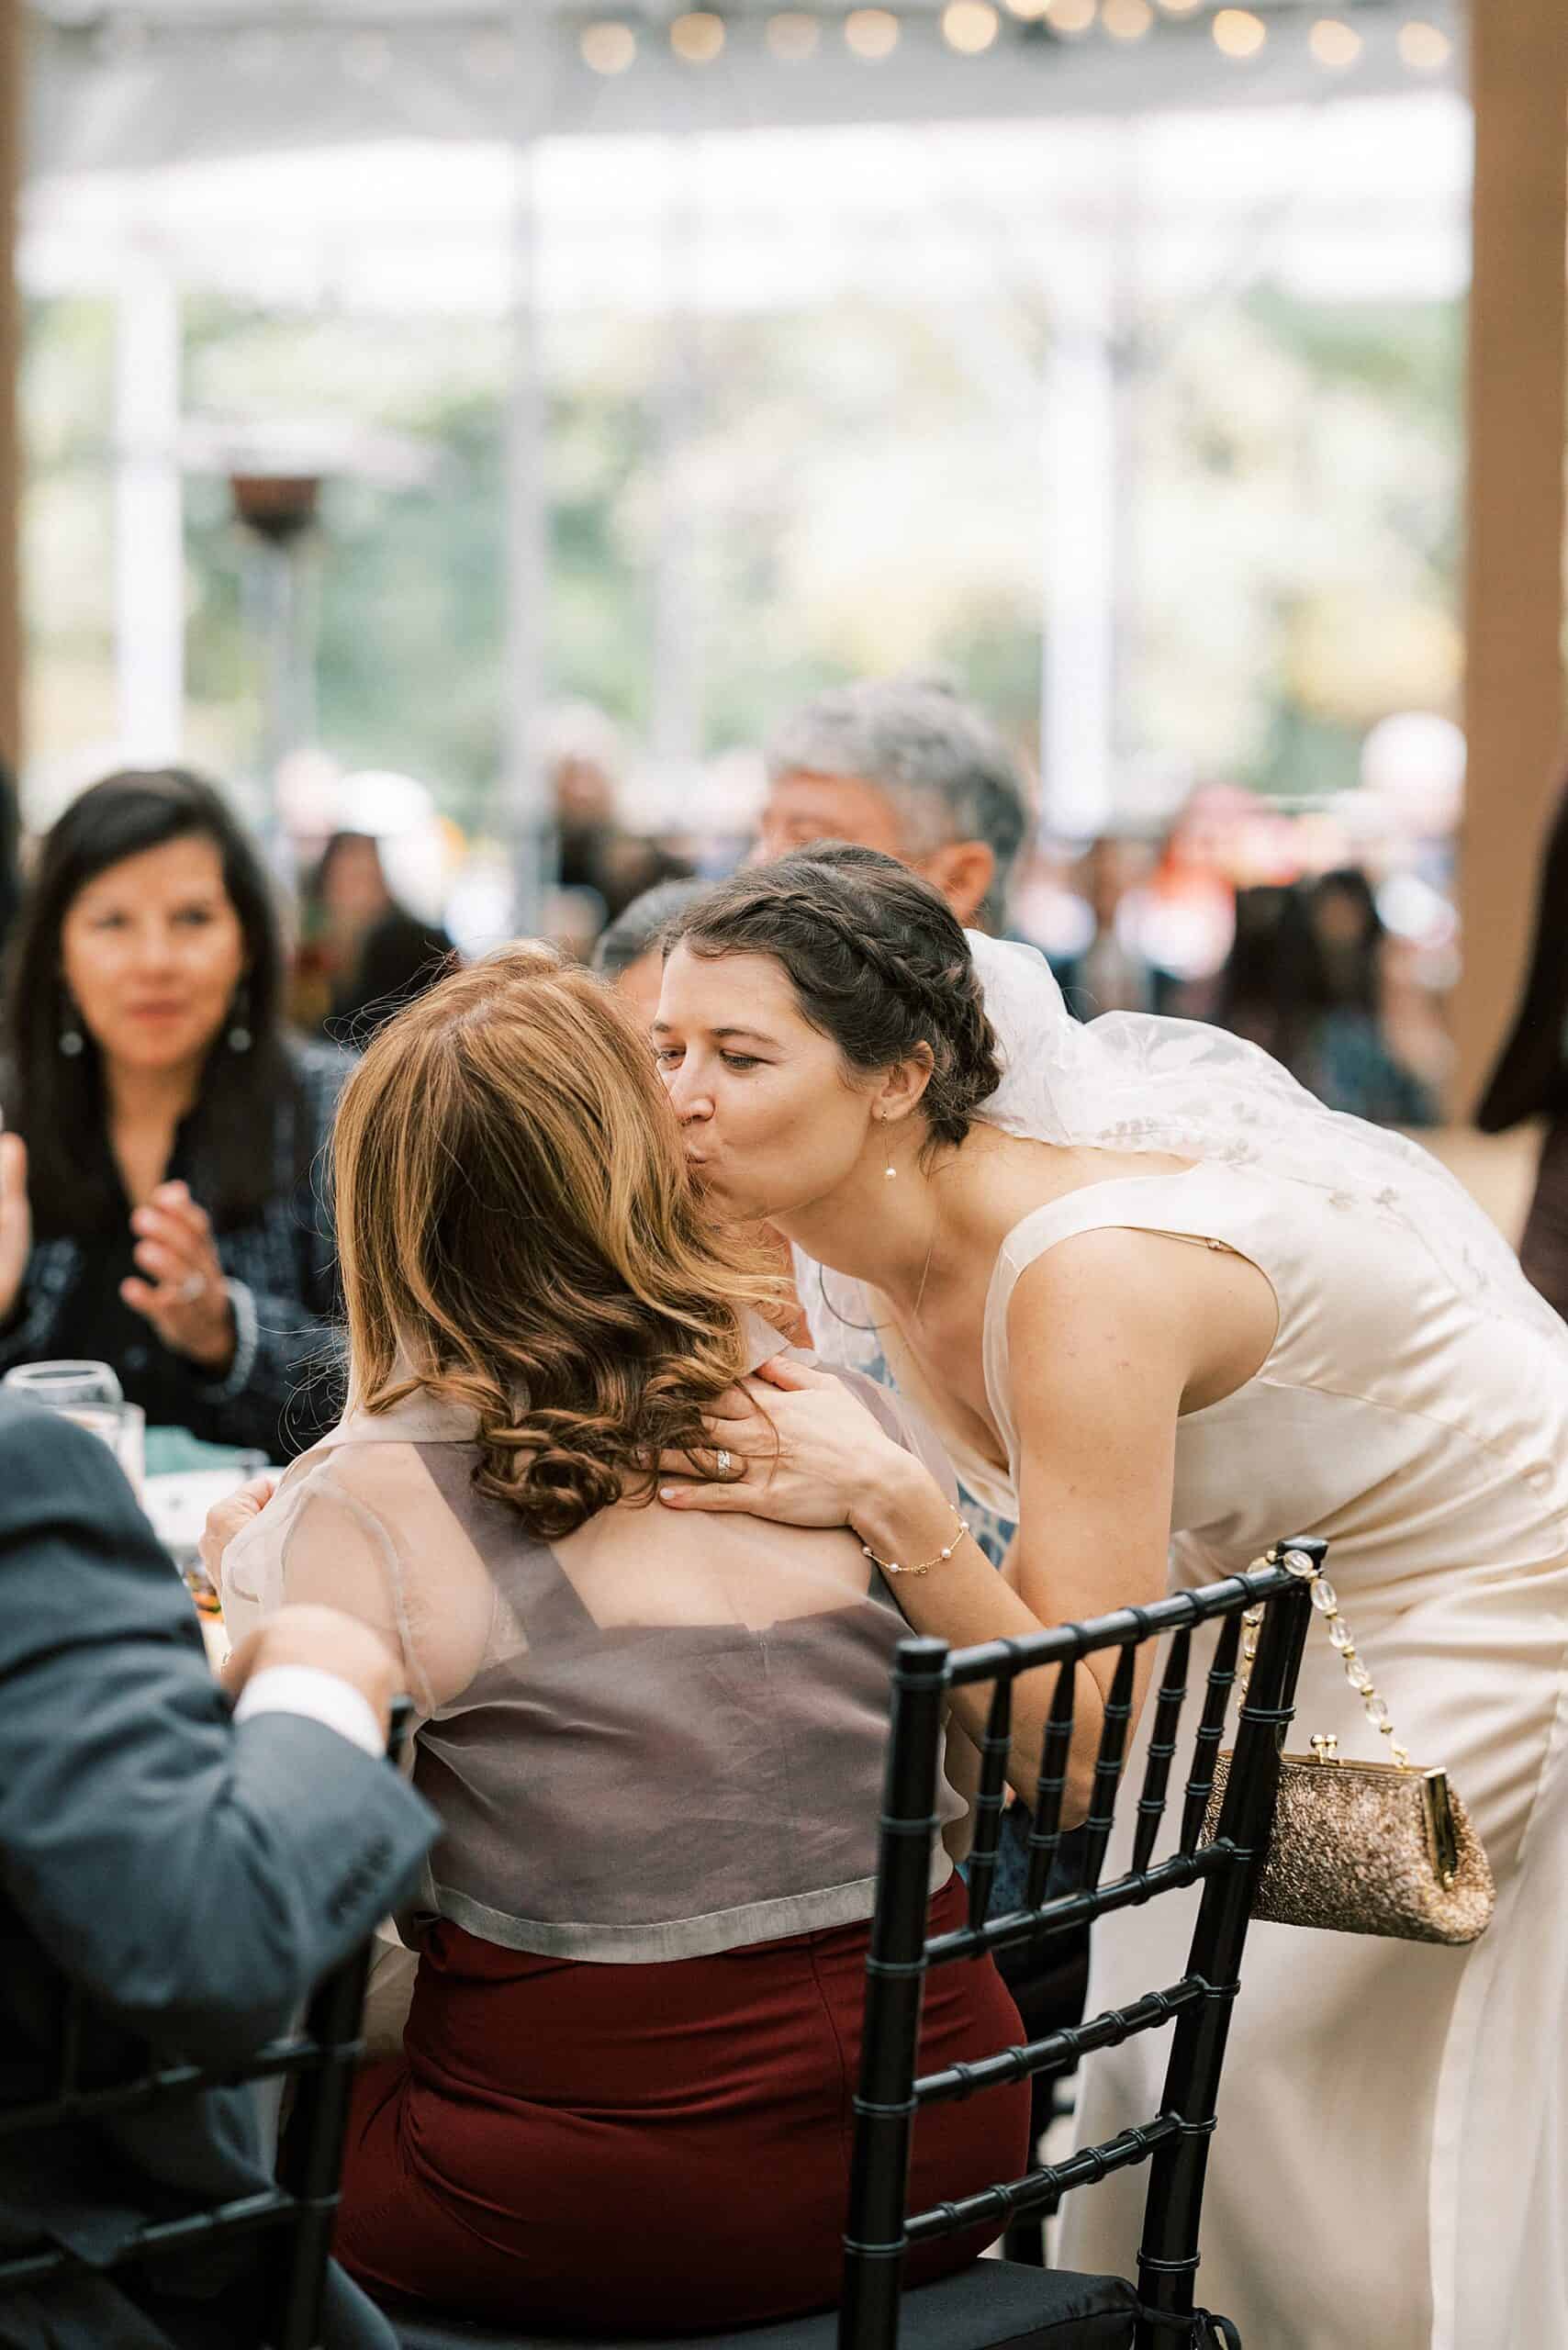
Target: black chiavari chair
82,2082
1002,2304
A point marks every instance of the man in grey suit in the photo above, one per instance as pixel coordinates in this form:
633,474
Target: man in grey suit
195,1869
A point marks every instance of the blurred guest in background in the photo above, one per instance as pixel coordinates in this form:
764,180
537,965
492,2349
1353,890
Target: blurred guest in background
583,793
1181,920
629,952
157,1210
902,765
1048,909
363,955
1252,1000
1531,1079
10,853
1113,973
593,850
1304,979
1347,1061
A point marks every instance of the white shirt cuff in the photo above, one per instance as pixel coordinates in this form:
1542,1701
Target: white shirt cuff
320,1696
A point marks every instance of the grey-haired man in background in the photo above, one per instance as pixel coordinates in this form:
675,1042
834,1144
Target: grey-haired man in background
903,765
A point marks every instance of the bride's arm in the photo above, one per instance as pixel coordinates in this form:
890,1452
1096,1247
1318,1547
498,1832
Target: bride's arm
1100,1354
1099,1364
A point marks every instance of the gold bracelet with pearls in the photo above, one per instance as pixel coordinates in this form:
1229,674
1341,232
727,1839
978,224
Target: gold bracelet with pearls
892,1566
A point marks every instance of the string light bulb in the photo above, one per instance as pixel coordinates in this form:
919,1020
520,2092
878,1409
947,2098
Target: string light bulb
871,33
1028,12
1069,16
697,38
1334,44
1426,48
792,36
969,25
1239,33
1127,19
607,49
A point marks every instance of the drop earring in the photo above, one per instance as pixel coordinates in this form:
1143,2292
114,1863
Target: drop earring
73,1044
239,1038
890,1172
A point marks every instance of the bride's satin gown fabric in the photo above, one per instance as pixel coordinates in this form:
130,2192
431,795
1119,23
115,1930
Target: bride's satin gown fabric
1391,2166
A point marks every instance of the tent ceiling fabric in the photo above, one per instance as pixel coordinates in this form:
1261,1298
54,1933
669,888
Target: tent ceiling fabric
184,79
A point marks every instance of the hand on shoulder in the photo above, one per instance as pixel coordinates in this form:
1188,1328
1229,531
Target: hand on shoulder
792,1443
229,1517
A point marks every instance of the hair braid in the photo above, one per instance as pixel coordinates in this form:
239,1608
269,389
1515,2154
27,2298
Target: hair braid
878,960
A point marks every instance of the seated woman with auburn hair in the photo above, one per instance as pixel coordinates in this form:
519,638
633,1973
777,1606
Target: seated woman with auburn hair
655,1743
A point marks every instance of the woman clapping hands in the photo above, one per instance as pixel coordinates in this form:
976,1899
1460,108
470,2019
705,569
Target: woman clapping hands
156,1210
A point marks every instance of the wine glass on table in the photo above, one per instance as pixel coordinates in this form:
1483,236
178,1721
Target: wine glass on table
89,1393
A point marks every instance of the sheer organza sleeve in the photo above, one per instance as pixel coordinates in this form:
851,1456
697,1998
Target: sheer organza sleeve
362,1528
901,1421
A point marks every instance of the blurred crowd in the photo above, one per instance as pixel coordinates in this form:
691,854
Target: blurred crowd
182,998
1271,928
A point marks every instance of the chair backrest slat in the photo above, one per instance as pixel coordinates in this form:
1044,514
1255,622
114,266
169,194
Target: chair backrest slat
1211,1730
1089,2164
1063,2047
1079,1907
1045,1836
1169,1700
991,1800
1116,1722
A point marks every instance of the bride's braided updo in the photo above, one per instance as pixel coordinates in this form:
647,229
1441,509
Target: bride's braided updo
878,960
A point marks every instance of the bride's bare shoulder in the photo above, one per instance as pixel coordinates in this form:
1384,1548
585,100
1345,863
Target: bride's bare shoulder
1006,1177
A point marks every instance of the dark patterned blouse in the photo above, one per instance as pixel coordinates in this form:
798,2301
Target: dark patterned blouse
285,1385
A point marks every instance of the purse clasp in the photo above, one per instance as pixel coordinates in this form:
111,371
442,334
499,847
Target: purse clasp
1324,1747
1442,1836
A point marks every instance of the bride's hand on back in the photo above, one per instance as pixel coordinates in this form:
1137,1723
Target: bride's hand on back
800,1447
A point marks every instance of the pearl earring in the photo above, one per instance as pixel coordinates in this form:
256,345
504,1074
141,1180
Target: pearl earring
890,1173
239,1038
71,1041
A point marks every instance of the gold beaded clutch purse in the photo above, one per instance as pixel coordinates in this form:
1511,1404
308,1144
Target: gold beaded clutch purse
1363,1848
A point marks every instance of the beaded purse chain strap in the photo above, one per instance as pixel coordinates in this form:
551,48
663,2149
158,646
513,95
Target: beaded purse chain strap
1441,1832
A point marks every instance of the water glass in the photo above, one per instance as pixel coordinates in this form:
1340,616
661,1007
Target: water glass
89,1393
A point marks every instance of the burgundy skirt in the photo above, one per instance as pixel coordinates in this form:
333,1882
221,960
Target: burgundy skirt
656,2148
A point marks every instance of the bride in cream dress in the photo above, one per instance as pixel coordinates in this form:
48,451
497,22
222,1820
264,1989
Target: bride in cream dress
1390,2170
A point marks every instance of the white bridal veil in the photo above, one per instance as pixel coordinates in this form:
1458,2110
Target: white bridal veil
1134,1081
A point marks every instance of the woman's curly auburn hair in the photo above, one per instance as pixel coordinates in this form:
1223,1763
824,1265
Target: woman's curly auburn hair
518,1235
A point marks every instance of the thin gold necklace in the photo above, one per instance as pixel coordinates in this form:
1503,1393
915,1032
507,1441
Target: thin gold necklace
920,1292
872,1329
